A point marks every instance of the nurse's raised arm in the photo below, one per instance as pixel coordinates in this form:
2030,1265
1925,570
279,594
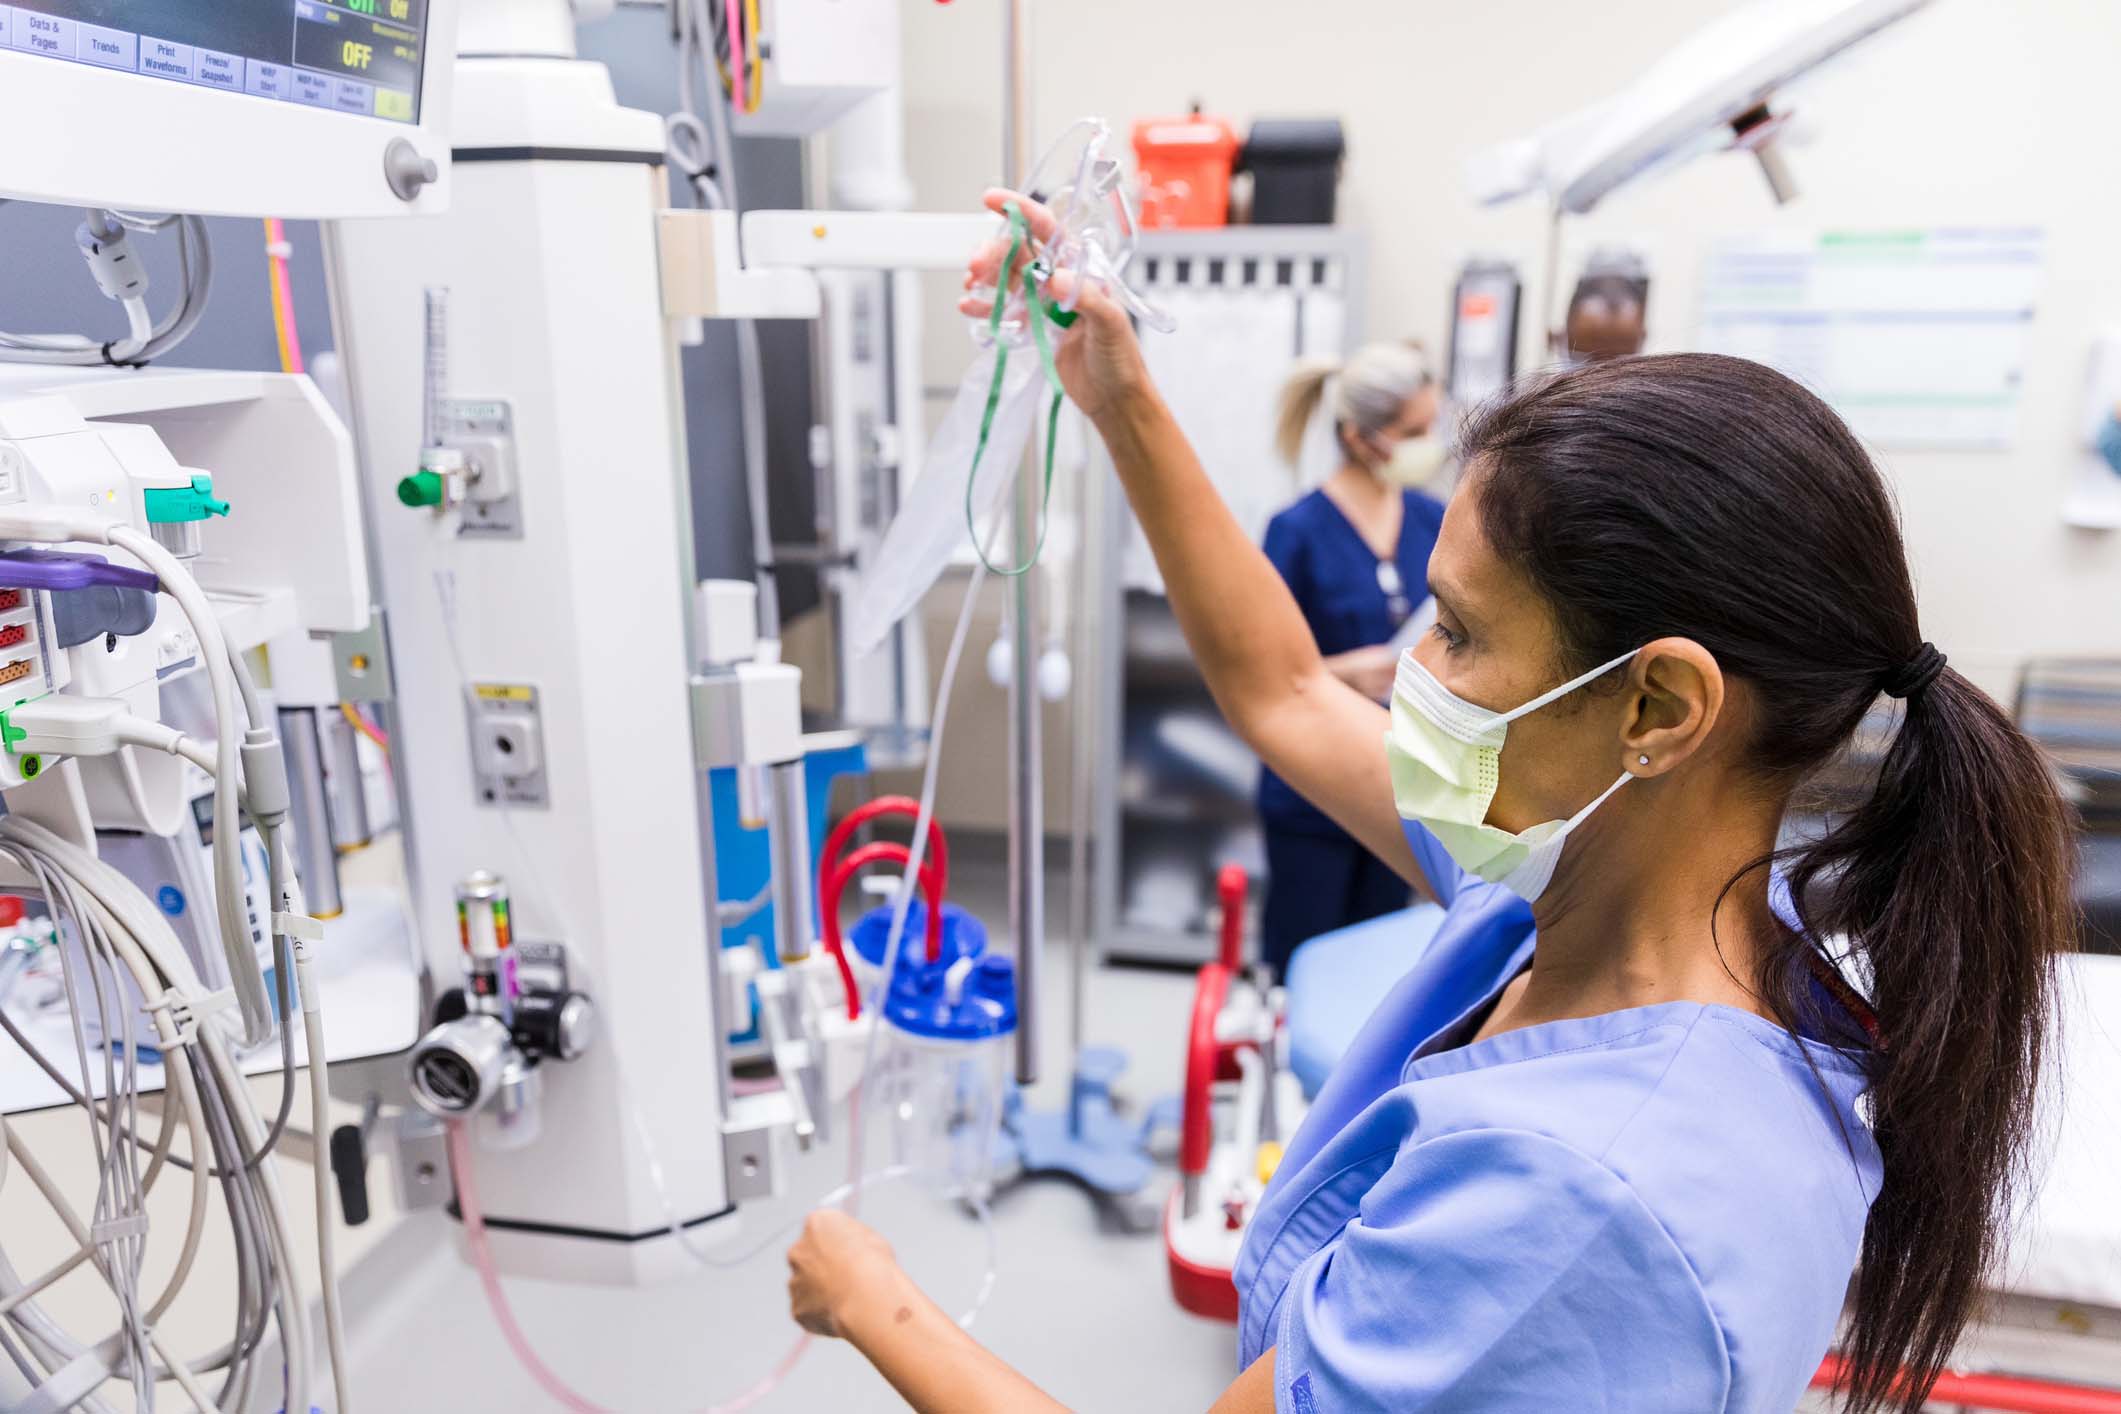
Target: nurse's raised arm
1254,649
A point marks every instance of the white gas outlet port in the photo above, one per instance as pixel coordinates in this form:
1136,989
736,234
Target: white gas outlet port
507,744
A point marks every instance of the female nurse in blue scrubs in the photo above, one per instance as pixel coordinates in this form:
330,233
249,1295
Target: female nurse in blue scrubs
1355,555
1620,1137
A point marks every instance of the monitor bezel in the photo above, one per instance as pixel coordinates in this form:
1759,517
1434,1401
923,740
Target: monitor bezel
85,136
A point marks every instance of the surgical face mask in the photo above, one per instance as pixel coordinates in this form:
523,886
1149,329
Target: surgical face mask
1414,461
1411,461
1446,762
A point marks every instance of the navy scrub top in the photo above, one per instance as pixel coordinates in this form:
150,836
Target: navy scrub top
1333,573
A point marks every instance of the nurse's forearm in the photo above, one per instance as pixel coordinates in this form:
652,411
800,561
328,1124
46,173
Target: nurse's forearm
930,1360
1253,647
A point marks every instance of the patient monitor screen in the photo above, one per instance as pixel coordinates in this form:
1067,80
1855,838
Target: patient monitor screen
346,56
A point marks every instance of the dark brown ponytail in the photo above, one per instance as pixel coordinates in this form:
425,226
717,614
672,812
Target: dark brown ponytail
1711,498
1951,880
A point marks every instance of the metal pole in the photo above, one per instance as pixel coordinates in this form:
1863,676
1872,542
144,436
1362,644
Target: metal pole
316,861
1027,834
788,844
345,797
1083,747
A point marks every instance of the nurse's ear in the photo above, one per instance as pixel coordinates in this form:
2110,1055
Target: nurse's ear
1675,694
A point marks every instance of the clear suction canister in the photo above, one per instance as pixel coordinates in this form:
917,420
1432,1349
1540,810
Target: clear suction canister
944,1076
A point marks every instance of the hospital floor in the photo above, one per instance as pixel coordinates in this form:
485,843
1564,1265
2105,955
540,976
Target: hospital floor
1081,1307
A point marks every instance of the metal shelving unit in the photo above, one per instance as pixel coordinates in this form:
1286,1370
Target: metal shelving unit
1173,795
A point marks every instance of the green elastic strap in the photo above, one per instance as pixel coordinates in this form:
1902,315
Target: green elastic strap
1038,311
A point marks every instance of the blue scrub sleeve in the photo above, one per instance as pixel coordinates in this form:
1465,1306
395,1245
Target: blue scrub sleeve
1445,876
1493,1271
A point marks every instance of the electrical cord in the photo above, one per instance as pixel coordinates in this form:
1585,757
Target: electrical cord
104,243
361,724
119,945
735,913
227,677
286,899
112,921
702,146
307,988
223,678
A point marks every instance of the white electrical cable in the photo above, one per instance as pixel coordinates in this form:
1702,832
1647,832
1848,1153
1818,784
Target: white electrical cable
319,1109
286,899
243,969
195,278
123,936
142,327
105,906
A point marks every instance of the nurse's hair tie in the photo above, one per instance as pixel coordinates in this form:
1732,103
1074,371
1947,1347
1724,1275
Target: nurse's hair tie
1915,675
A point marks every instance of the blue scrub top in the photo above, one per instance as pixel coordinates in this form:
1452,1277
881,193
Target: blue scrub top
1332,571
1655,1208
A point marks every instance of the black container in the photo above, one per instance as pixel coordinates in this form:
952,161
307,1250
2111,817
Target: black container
1295,167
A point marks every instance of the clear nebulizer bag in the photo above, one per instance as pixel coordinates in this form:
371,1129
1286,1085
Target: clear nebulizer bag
930,525
977,453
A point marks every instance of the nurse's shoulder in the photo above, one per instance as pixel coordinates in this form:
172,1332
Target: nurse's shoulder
1744,1145
1302,517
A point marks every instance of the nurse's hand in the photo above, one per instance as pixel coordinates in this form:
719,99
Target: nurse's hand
1370,671
836,1263
1099,359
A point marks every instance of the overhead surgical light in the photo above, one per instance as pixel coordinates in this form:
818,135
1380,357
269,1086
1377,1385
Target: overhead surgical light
1717,90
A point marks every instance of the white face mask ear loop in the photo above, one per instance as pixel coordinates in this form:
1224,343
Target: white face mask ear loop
1603,796
1566,688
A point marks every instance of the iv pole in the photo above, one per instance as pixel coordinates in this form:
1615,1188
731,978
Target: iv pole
1088,1138
1027,824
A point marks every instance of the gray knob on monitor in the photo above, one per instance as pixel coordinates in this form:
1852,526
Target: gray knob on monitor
406,170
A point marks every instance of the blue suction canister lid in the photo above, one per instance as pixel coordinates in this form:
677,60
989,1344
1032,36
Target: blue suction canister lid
985,1007
962,934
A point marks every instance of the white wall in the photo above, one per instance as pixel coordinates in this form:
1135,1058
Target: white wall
1976,112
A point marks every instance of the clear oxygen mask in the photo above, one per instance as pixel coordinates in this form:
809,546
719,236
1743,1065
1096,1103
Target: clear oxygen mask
978,451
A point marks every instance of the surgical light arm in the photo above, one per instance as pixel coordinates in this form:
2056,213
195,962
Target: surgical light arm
1716,89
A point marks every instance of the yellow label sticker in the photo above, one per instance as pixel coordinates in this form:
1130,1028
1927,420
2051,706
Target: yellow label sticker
503,692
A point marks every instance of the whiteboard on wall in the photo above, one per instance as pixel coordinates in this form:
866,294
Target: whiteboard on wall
1917,337
1247,303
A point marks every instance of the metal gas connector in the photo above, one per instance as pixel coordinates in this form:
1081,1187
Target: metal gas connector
482,1055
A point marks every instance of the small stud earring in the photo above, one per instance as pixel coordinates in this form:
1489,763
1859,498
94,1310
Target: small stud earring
1642,760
